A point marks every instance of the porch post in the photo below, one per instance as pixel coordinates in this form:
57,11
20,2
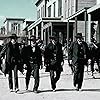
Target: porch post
67,33
44,36
29,35
33,32
75,28
85,18
36,31
51,29
76,9
41,30
89,28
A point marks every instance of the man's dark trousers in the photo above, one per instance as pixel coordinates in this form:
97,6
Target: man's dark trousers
15,69
35,74
78,75
53,78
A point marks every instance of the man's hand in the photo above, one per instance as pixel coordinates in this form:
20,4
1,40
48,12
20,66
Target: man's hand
62,63
70,61
24,72
41,66
25,66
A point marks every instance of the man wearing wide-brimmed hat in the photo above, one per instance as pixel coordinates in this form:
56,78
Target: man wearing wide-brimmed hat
12,61
53,58
78,56
33,59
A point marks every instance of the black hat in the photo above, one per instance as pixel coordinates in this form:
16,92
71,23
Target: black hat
51,37
13,36
79,35
93,23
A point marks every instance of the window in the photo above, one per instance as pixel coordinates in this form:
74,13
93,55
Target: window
49,11
19,28
15,28
66,9
12,27
42,11
59,7
38,14
54,5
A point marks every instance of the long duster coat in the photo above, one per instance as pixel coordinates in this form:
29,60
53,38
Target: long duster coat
12,53
79,55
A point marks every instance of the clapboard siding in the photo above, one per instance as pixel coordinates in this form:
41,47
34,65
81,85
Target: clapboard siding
85,3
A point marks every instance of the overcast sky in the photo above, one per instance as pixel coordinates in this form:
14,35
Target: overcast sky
17,8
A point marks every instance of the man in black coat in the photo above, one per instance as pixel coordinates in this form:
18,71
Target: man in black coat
53,57
32,57
12,61
78,56
26,51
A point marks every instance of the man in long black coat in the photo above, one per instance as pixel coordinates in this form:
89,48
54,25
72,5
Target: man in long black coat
32,57
78,56
53,57
26,52
12,61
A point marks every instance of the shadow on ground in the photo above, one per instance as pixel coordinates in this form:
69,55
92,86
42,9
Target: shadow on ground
91,90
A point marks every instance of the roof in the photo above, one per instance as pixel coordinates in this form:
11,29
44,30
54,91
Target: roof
79,14
45,19
95,12
90,10
28,23
38,1
20,19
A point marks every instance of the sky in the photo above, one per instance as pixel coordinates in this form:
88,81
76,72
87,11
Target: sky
17,9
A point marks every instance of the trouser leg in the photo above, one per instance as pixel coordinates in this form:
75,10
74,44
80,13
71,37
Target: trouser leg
28,74
52,79
81,75
10,79
36,77
75,77
98,61
92,65
57,76
16,76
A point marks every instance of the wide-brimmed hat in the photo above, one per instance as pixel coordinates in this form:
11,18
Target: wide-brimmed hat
79,35
93,23
51,37
13,36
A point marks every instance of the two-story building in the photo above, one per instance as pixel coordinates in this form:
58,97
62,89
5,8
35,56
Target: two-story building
77,12
65,18
14,25
49,20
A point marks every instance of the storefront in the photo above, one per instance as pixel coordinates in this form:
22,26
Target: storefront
94,16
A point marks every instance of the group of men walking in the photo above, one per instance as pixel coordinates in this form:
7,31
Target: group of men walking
29,57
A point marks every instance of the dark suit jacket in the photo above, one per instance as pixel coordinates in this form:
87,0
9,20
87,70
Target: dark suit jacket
50,50
26,52
73,52
29,56
37,55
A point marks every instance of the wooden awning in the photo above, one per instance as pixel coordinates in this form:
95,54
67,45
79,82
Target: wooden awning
95,12
79,14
